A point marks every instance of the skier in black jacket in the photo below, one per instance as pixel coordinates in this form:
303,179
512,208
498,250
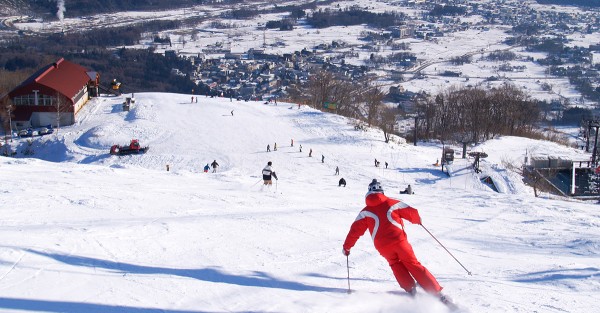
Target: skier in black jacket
267,172
214,165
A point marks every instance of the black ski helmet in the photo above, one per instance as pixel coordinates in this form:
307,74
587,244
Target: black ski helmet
375,186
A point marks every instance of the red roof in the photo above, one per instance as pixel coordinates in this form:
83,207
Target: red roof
64,77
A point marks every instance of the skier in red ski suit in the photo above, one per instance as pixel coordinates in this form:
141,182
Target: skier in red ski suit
383,217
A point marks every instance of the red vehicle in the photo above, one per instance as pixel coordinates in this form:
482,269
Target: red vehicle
133,148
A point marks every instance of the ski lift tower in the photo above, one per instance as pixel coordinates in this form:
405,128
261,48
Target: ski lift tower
593,124
416,116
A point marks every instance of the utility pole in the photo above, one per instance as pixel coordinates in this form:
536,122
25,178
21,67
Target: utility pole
416,123
415,131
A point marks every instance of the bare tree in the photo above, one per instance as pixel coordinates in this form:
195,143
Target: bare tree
8,80
426,112
61,106
475,114
324,86
320,88
387,121
373,100
6,112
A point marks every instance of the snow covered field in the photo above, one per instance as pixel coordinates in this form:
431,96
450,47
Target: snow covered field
83,231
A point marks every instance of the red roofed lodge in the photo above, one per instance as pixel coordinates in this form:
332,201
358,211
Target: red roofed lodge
53,95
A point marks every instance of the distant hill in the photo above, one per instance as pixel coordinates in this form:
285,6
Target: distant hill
13,7
586,3
75,8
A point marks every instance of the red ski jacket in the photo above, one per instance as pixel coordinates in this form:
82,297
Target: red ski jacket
383,217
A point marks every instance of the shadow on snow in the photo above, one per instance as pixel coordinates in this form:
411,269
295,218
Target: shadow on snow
431,175
65,306
257,279
562,274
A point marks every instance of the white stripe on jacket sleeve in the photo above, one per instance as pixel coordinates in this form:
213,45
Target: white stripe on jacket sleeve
397,206
365,214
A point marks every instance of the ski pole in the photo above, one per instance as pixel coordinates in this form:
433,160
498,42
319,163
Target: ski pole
348,267
468,272
256,183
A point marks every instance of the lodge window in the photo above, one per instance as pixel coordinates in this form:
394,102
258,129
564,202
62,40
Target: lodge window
30,100
46,100
24,100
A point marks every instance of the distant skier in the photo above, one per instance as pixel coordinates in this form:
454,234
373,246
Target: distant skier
214,165
376,163
267,173
300,148
268,148
337,170
322,158
386,164
275,147
382,216
231,112
310,152
206,168
342,182
292,143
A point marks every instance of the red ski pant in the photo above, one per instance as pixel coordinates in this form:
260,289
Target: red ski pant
405,266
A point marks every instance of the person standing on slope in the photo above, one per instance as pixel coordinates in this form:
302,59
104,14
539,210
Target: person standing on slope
267,172
214,165
383,218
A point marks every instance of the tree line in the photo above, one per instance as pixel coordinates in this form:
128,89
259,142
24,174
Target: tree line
440,10
353,16
137,69
77,8
358,99
462,114
458,114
